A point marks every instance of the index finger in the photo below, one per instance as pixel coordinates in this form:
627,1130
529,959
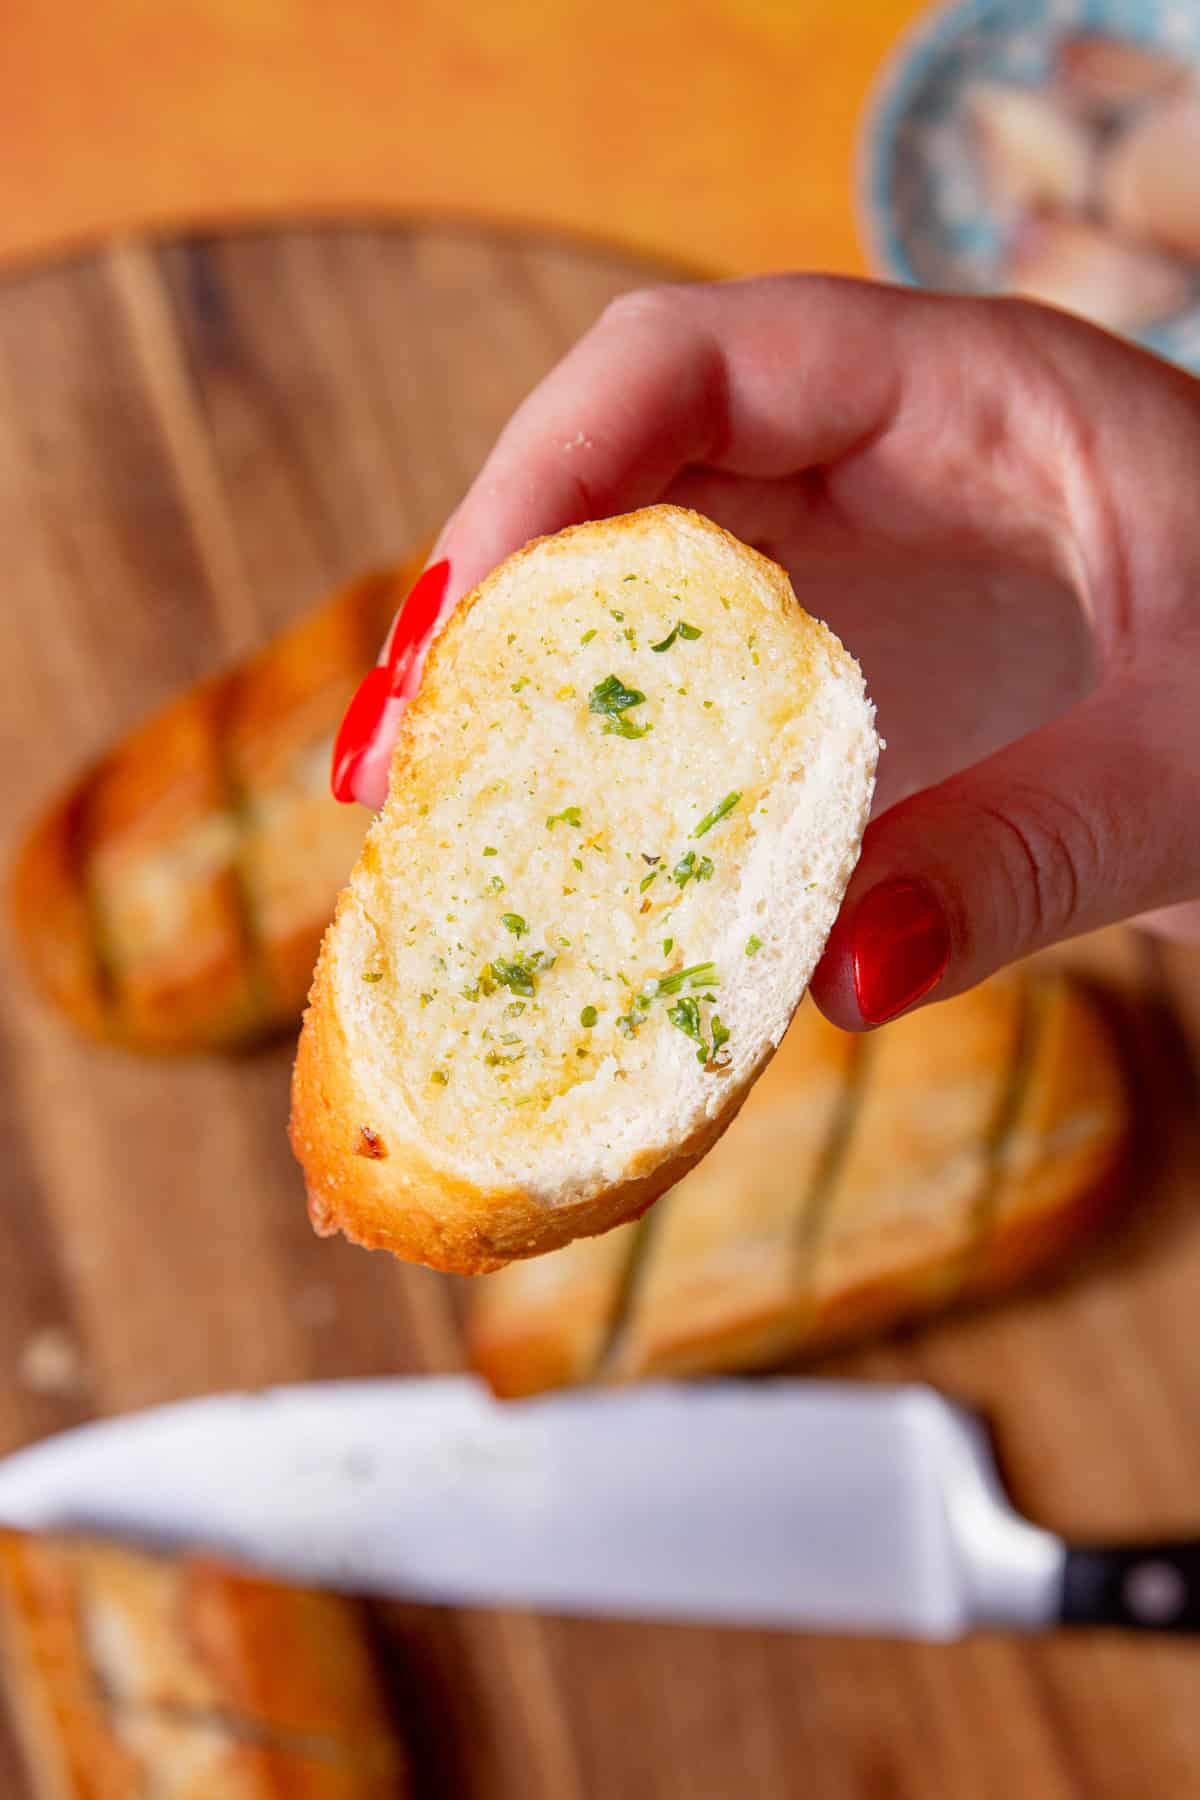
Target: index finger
762,377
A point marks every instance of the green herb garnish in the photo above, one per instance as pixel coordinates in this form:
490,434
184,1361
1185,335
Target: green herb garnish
625,728
517,973
753,944
490,850
685,1016
717,814
568,816
515,923
612,696
588,636
720,1033
668,946
689,869
681,629
646,880
588,1017
495,885
523,681
699,975
378,976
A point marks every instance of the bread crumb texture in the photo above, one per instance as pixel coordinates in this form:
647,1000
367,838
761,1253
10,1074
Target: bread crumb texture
623,811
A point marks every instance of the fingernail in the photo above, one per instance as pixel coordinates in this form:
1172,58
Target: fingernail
415,624
357,729
901,946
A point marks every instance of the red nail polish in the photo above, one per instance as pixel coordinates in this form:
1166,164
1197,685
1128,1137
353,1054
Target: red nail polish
901,945
415,623
357,729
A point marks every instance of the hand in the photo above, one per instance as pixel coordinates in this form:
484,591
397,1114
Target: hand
994,505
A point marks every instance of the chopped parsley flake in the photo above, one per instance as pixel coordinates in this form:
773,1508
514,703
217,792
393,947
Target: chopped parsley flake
517,974
753,944
514,1009
515,923
490,850
612,696
619,616
588,1016
699,975
623,727
588,636
495,885
646,880
688,869
575,860
668,946
523,681
681,629
685,1016
718,812
568,816
720,1033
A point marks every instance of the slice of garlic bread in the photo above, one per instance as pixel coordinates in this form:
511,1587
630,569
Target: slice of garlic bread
623,811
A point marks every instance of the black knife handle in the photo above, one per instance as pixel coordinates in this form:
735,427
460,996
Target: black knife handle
1141,1587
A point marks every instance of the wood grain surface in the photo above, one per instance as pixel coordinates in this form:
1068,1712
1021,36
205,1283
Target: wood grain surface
196,443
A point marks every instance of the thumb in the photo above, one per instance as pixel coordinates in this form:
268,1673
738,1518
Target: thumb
1085,822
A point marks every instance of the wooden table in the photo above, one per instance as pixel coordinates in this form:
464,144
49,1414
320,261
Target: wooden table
196,442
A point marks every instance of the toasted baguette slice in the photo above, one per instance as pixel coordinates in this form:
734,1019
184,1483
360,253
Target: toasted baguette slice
632,756
131,1674
1059,1168
545,1321
731,1246
174,898
984,1142
904,1207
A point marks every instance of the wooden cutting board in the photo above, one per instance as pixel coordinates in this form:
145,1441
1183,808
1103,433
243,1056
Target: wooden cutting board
196,442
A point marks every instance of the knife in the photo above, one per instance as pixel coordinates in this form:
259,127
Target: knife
797,1504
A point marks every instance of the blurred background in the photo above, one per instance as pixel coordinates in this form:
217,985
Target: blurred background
273,273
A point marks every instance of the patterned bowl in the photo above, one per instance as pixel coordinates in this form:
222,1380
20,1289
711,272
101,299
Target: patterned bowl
924,208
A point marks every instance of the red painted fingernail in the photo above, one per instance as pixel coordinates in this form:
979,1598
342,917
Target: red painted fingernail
357,729
901,945
415,622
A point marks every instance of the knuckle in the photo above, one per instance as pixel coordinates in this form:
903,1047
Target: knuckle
1053,857
656,306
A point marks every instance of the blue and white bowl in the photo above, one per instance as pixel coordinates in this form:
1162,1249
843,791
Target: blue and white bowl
924,209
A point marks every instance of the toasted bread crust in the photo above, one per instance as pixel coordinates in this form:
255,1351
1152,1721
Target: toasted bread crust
128,1672
173,899
1063,1136
377,1180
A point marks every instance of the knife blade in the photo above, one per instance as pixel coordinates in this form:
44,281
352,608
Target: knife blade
788,1503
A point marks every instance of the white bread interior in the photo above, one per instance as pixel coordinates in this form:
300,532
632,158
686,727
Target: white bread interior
540,860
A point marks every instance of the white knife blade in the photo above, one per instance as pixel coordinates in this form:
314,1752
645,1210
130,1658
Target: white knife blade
789,1503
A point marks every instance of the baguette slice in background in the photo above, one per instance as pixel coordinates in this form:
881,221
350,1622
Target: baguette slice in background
726,1266
1060,1165
970,1147
905,1201
174,898
130,1675
632,757
547,1321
